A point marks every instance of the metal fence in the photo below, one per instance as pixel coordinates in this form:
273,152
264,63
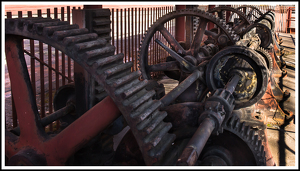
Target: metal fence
128,27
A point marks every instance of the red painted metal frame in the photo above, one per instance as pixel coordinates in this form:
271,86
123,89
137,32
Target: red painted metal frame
50,150
180,25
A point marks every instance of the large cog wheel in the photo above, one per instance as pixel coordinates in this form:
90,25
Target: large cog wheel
238,145
241,20
226,36
131,95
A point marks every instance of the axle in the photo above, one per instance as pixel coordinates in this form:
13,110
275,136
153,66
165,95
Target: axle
210,121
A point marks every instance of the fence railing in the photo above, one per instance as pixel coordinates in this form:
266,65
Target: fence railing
128,27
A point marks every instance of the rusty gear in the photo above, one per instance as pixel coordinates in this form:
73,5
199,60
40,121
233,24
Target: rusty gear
158,25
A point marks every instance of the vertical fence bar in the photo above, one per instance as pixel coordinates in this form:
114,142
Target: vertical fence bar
140,25
56,66
69,59
117,28
135,45
121,15
125,36
113,26
50,77
62,16
42,81
128,35
148,21
132,57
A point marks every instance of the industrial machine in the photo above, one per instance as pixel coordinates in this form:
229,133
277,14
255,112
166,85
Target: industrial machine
209,119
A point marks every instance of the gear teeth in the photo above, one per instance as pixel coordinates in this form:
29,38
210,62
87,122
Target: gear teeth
157,134
126,86
236,124
255,141
242,128
102,13
79,38
116,83
59,35
143,123
101,96
101,21
133,90
142,99
117,69
98,52
251,135
142,112
109,69
108,60
91,44
259,145
162,148
248,135
38,27
247,131
155,120
49,31
101,30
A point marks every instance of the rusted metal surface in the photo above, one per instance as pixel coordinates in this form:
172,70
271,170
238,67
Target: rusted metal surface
157,136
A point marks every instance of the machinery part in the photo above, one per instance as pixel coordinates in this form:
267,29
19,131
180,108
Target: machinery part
63,96
32,136
124,88
204,17
251,12
266,56
238,145
262,31
249,63
266,20
241,21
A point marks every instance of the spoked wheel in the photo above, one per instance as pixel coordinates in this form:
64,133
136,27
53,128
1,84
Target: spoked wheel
239,23
263,32
193,55
251,12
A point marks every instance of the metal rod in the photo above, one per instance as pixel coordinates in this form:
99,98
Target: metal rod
47,65
51,118
50,77
117,26
125,34
121,18
128,59
189,66
63,67
69,59
173,94
113,26
232,83
135,41
194,147
132,41
56,67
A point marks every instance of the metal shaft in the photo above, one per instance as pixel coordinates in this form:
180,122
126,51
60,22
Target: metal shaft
51,118
173,94
232,83
192,151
